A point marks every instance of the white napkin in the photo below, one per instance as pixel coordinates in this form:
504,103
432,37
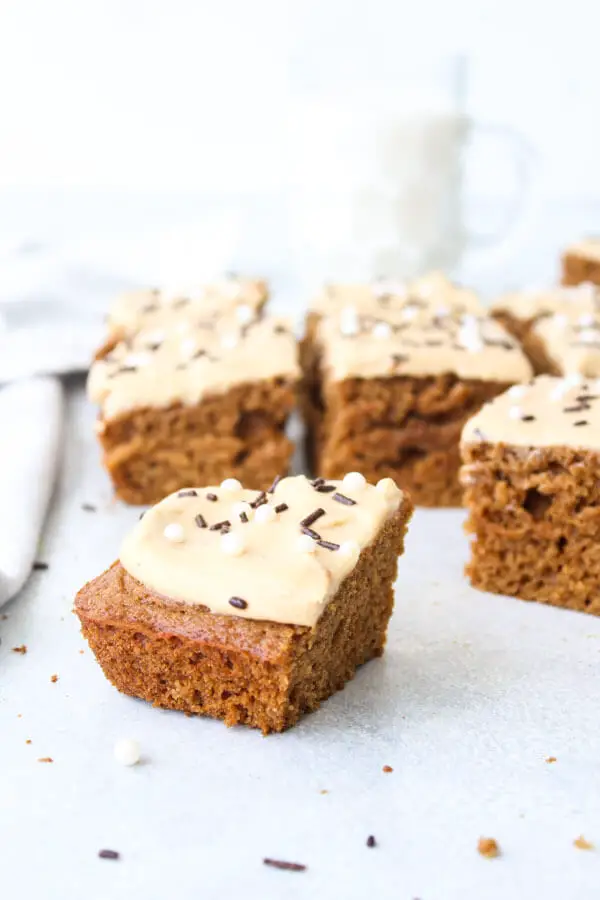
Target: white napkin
31,416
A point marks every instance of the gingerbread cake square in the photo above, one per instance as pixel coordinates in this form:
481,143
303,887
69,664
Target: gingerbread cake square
251,607
531,472
387,392
581,262
149,309
520,312
202,399
567,343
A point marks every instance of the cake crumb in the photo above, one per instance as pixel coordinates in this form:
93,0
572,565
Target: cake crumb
387,769
282,864
22,649
45,759
28,741
550,759
82,652
324,791
582,844
54,679
488,847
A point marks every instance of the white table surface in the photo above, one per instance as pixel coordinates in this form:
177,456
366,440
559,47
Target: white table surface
473,694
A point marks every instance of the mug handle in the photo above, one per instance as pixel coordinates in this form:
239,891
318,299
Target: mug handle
486,251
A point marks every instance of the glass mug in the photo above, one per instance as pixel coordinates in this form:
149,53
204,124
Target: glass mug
376,176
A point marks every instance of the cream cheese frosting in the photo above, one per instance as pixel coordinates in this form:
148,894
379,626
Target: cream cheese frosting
548,412
588,248
572,342
432,293
387,344
533,303
157,368
278,555
146,309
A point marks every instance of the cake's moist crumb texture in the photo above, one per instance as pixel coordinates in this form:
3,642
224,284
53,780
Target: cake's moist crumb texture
152,452
404,428
243,671
532,488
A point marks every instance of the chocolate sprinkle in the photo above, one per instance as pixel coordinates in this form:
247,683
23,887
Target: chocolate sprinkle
479,434
190,493
88,507
108,854
276,481
317,482
581,422
218,526
200,521
328,545
238,603
40,566
341,498
281,507
282,864
528,419
243,517
312,517
260,500
371,842
325,488
311,534
124,369
212,497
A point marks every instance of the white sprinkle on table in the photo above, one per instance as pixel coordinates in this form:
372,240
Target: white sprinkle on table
127,752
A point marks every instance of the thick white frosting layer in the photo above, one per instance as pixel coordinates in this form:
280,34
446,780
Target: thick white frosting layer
269,566
549,412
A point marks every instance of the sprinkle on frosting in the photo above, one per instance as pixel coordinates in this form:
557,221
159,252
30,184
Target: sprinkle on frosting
284,570
470,345
549,415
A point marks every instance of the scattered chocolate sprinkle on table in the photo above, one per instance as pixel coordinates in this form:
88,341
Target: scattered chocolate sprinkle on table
109,854
88,507
281,864
40,566
371,842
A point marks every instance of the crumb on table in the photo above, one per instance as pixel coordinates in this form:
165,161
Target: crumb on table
582,844
387,769
54,679
488,847
22,649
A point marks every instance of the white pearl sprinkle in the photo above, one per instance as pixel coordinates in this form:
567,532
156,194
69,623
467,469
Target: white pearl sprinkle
558,392
354,481
442,311
174,532
240,507
410,312
244,314
589,336
232,544
229,485
229,341
561,320
264,514
188,346
515,412
349,323
386,486
350,549
381,330
127,752
574,379
517,391
305,544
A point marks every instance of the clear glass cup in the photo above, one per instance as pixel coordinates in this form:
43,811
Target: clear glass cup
376,169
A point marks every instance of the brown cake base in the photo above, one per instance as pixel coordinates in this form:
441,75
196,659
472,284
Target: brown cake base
535,519
261,674
404,428
576,269
151,452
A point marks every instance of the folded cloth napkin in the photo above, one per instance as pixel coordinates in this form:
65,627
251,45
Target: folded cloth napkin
31,418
